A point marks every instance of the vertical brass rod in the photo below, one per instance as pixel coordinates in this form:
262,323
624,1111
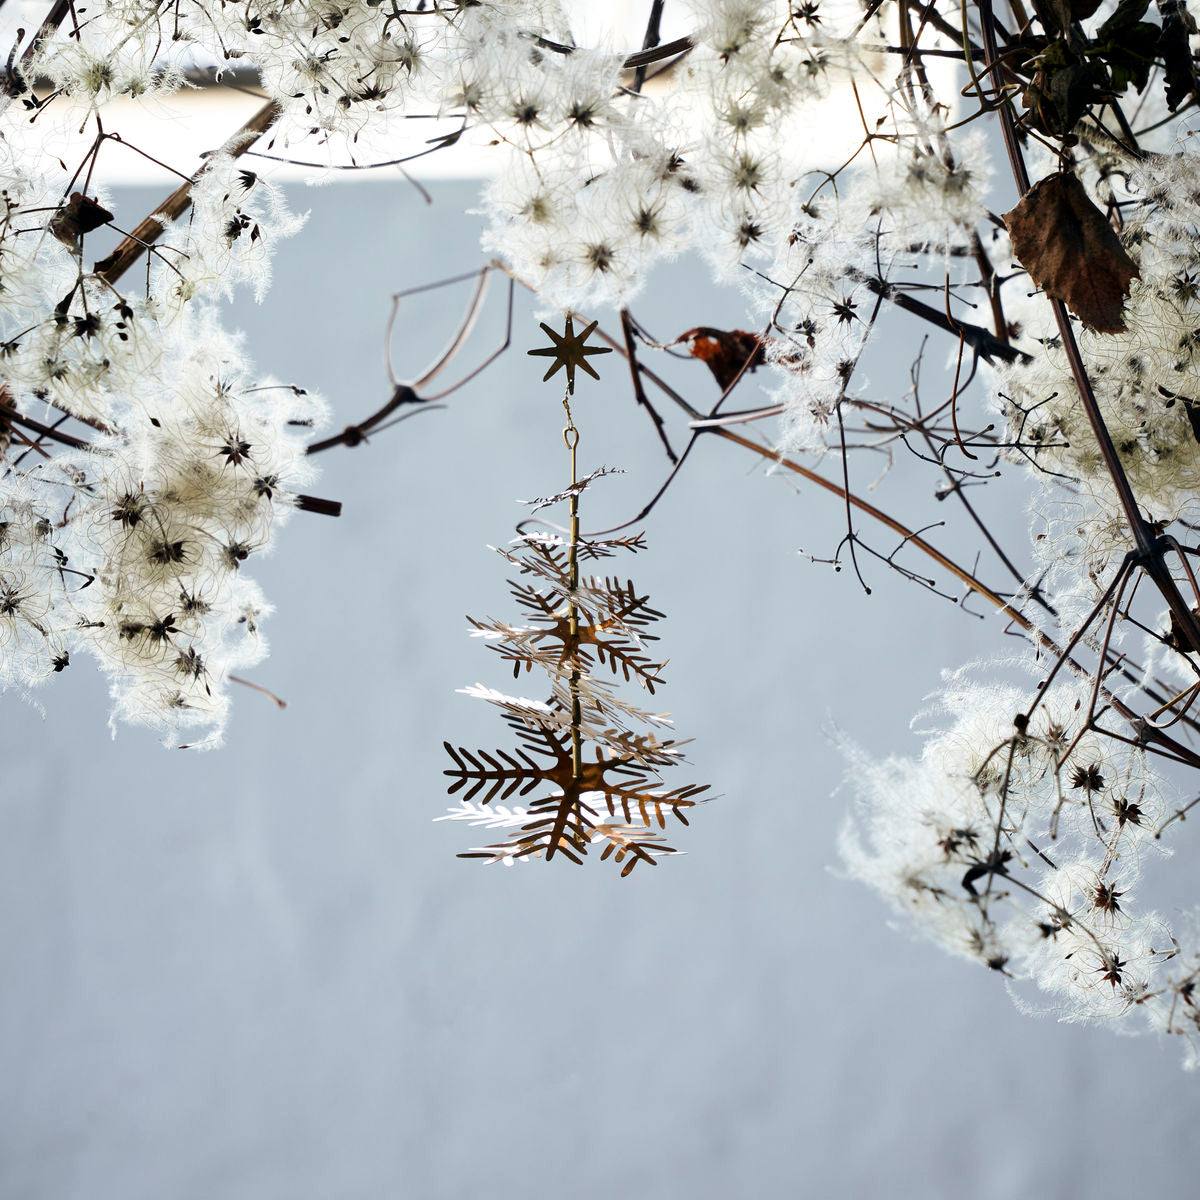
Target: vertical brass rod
571,437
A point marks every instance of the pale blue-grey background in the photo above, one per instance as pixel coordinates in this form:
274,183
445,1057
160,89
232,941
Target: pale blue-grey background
261,973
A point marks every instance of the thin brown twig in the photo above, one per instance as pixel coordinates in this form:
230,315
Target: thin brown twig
258,687
991,284
639,392
649,42
8,413
1180,814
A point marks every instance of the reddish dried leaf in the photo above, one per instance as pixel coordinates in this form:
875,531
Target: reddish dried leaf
1071,252
727,352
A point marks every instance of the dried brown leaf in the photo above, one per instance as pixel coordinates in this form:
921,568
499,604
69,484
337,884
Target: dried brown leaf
1071,252
81,215
1174,44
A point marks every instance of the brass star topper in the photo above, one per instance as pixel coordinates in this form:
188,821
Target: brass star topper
569,352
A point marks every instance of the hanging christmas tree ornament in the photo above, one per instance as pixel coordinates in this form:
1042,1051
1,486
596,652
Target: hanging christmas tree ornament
587,759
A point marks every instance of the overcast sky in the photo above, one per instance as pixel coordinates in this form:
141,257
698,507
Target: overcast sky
262,973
